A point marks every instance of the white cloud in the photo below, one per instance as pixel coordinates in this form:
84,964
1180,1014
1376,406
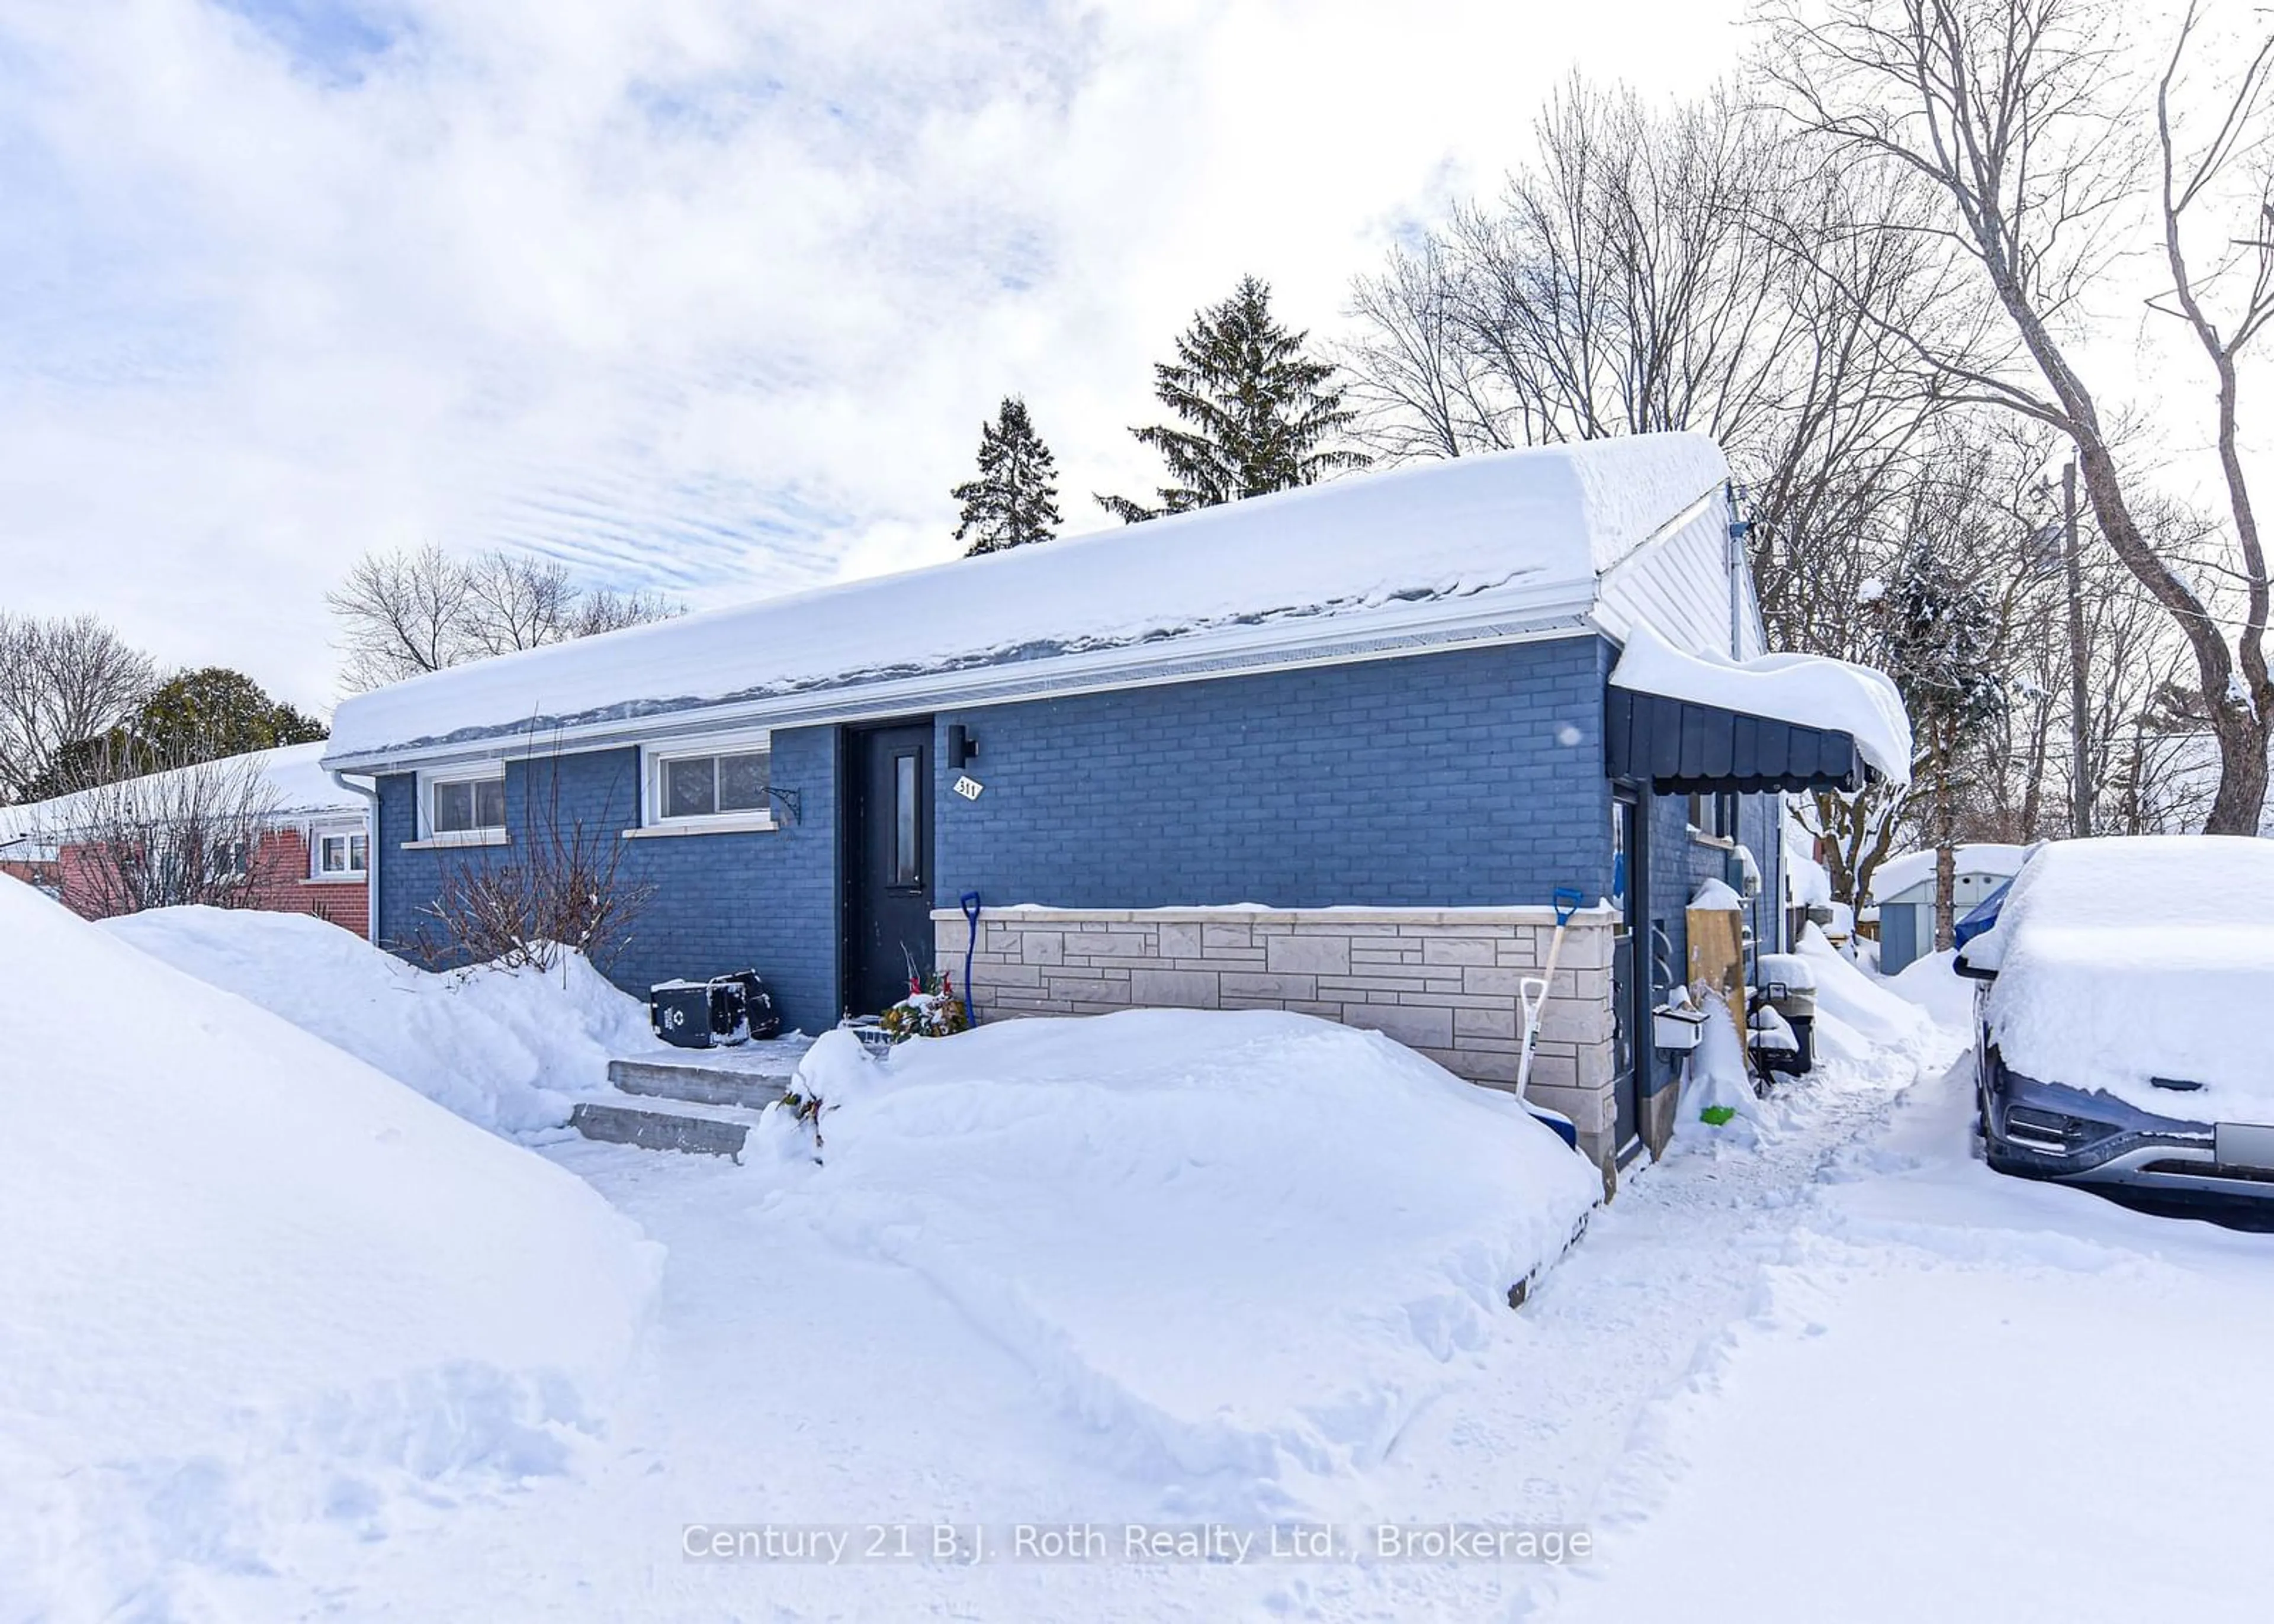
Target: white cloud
706,295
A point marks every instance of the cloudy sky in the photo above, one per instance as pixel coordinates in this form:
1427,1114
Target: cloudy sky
707,295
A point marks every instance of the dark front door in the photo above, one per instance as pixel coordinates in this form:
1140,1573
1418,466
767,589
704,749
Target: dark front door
886,843
1630,991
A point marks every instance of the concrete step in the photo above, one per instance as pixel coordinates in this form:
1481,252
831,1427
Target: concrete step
690,1129
750,1075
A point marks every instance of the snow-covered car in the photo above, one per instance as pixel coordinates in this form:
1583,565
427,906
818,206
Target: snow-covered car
2124,1019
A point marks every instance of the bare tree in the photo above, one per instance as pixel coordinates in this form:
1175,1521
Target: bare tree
190,834
1613,288
403,613
1419,384
598,610
63,680
2019,114
513,601
400,614
1671,270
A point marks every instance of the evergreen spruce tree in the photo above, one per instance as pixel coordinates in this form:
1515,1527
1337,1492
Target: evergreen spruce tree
1015,500
1943,638
1260,414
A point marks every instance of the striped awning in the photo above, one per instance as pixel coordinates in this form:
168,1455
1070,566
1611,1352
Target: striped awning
1683,748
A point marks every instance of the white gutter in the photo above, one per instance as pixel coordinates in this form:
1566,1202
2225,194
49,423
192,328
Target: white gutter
369,795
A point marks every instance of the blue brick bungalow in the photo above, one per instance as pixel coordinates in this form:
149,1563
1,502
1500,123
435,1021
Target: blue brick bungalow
1330,750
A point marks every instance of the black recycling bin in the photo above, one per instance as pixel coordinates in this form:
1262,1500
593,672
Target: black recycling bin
726,1009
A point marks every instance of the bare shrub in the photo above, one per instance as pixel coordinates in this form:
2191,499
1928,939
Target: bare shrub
559,887
188,835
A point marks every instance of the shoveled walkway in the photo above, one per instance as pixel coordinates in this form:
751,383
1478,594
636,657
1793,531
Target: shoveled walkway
759,1403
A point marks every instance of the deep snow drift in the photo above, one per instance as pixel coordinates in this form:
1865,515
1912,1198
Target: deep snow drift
2120,960
1235,1246
506,1050
1865,1018
251,1284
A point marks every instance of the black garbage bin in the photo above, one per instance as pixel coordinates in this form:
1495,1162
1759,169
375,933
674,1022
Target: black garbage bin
725,1009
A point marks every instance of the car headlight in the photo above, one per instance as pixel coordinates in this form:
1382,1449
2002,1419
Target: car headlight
2054,1133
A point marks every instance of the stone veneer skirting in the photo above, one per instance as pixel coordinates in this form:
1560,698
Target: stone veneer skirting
1441,981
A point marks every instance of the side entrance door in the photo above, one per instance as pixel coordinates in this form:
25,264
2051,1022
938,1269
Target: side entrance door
1630,991
887,848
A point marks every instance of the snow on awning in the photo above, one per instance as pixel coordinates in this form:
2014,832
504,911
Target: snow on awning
1700,724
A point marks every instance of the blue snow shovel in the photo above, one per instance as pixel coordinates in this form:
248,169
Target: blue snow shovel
1534,992
970,946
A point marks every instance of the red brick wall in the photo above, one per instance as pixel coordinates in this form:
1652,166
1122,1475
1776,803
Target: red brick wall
280,883
40,874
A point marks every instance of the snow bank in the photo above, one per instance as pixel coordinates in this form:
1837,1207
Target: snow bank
1233,1245
1520,533
1717,1100
2120,960
1935,987
254,1285
1898,874
1811,690
1855,1015
508,1049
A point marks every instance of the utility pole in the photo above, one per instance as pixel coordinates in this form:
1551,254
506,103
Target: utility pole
2080,715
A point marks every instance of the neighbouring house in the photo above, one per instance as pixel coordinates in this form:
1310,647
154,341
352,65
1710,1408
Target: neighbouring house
309,854
1329,750
1903,891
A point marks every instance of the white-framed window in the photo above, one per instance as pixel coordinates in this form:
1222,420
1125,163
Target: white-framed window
463,805
717,784
341,855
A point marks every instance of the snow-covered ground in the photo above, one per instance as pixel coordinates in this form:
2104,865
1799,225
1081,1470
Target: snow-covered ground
1121,1271
255,1295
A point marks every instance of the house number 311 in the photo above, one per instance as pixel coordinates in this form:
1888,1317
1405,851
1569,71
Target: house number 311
968,786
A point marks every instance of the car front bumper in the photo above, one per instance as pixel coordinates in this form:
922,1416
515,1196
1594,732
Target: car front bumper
2039,1130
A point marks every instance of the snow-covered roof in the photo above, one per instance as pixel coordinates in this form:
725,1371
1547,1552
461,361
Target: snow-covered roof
1810,690
1898,874
295,774
1441,552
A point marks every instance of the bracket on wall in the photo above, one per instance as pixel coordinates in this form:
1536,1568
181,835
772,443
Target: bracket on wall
791,800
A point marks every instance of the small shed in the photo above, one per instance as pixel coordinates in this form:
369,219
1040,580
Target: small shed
1903,888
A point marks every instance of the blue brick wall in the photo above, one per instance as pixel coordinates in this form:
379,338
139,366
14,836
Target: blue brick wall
722,901
1436,780
1449,779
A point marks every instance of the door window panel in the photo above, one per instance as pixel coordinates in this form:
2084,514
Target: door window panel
905,854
